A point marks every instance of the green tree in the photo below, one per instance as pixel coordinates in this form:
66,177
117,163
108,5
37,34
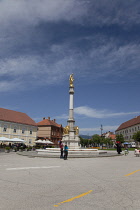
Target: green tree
136,136
108,142
96,139
84,142
120,138
81,141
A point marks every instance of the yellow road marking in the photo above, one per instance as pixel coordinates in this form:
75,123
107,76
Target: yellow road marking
132,172
71,199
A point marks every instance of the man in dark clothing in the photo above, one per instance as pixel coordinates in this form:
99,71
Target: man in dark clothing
61,149
119,150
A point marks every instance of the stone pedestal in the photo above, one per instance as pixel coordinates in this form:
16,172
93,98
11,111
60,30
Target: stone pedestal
72,142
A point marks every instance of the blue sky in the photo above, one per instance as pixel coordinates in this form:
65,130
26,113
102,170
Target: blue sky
43,42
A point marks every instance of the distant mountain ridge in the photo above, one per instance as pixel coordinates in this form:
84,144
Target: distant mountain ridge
85,136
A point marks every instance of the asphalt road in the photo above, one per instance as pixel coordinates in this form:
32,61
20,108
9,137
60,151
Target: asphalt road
82,183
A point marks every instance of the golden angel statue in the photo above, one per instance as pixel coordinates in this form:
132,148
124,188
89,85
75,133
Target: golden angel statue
66,130
71,79
76,128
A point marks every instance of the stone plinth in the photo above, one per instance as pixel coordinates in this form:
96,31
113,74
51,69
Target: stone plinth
72,153
71,141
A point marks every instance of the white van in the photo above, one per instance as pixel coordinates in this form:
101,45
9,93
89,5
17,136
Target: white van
133,144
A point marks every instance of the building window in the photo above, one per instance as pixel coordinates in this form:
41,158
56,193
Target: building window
129,130
5,128
31,132
30,141
15,130
138,128
23,130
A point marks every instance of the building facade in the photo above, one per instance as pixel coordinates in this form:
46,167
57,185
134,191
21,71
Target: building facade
49,129
15,124
110,135
128,128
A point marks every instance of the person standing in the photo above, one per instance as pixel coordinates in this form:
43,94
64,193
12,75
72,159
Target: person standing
61,150
65,152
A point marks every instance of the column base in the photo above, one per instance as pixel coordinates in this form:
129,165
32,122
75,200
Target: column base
72,142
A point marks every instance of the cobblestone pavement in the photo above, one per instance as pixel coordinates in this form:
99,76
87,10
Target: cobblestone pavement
31,183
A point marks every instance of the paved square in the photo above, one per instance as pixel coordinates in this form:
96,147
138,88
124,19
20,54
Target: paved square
77,183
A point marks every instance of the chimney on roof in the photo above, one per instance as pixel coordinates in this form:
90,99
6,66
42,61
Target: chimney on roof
48,118
44,118
54,120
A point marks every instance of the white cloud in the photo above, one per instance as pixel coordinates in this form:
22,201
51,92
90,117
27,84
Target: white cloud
6,86
21,62
37,119
110,59
55,65
98,129
31,12
19,65
24,71
107,12
63,116
94,113
101,12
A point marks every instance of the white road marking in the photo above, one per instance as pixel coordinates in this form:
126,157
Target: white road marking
24,168
3,165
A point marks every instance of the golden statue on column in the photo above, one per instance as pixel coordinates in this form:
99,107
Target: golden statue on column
71,79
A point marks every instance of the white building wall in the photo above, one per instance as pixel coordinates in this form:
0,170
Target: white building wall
129,132
29,134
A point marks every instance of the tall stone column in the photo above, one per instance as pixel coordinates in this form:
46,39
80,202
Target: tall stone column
70,136
71,120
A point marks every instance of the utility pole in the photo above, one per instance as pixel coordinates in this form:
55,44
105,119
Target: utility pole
101,130
101,133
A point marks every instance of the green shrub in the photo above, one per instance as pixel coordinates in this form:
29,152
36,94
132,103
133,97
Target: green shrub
7,148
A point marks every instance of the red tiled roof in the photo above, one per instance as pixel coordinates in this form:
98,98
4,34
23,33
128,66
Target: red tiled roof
112,136
129,123
16,117
48,122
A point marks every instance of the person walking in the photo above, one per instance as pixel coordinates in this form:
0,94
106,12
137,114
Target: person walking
65,152
119,150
